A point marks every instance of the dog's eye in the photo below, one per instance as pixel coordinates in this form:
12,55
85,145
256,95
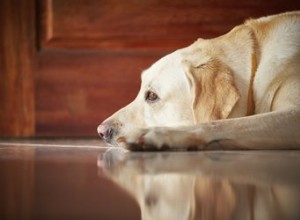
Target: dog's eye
151,96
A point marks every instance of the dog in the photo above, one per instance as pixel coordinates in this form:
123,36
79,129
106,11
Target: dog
237,91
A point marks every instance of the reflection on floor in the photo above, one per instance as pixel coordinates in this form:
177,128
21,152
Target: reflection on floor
83,179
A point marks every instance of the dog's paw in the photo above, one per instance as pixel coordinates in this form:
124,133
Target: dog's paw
159,139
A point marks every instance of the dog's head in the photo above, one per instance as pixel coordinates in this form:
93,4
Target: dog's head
189,86
164,99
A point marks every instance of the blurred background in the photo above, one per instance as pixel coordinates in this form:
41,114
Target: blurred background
66,65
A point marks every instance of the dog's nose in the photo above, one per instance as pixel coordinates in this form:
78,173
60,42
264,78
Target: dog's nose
105,131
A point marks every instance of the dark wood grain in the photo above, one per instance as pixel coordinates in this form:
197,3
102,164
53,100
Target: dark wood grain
150,25
17,39
76,91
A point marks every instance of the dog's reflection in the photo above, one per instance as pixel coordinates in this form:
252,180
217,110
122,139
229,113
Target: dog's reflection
208,185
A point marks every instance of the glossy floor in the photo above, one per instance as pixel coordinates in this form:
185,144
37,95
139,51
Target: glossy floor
83,179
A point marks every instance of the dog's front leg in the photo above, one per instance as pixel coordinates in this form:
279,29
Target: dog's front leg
163,138
274,130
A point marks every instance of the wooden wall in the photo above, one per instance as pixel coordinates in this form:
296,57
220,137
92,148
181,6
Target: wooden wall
90,52
17,64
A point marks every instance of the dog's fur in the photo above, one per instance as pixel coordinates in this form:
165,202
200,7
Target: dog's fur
238,91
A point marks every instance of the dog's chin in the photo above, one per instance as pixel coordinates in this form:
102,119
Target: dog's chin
115,142
111,143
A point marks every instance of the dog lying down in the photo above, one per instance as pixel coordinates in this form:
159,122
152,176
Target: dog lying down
237,91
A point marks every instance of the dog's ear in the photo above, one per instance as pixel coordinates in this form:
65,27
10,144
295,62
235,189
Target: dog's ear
213,90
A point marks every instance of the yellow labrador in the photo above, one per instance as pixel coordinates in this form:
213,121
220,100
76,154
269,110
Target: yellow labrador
238,91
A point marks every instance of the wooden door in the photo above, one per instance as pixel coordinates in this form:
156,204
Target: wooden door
89,53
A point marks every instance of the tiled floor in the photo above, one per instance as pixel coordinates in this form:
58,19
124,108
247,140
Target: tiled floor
83,179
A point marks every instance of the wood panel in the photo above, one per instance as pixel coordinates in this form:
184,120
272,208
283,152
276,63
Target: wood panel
146,24
76,91
17,40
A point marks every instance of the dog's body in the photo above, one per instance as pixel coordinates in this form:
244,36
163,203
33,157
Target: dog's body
237,91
